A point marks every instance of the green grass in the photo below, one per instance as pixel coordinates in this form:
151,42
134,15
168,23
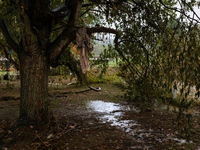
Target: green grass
113,63
10,72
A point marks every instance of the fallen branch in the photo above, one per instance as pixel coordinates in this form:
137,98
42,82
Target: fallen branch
42,140
76,92
95,89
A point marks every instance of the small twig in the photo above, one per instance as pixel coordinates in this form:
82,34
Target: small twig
42,141
28,147
71,128
36,136
38,146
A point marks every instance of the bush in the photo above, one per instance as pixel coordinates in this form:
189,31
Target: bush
60,70
109,77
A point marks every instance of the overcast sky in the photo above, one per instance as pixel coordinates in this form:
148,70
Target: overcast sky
197,11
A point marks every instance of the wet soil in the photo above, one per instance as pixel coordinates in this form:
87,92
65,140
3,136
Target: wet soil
93,120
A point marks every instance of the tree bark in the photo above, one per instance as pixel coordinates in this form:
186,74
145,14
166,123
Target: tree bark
34,70
34,62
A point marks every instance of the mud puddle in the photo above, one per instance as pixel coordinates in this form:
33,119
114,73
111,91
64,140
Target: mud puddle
112,113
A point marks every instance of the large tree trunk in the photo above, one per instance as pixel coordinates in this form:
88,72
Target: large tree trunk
34,70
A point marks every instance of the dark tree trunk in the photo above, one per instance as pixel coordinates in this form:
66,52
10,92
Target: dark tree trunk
34,70
34,63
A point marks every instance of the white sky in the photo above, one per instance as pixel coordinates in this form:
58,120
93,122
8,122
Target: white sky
197,11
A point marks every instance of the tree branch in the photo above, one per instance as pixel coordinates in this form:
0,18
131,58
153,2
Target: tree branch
191,10
75,13
86,11
87,5
132,68
9,39
101,29
91,88
179,11
69,34
61,42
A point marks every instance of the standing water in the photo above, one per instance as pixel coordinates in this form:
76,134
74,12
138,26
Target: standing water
112,112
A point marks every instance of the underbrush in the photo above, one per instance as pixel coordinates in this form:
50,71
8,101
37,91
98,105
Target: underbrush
94,76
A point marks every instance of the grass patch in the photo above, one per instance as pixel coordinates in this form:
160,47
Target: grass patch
9,72
109,77
114,62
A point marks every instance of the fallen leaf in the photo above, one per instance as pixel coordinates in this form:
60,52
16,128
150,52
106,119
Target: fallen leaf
182,146
49,136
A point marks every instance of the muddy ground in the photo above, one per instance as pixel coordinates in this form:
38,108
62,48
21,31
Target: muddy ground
79,125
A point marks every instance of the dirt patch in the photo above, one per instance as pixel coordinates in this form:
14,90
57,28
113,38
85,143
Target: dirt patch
6,98
160,132
77,127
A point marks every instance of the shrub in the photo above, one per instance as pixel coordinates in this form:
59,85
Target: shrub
110,76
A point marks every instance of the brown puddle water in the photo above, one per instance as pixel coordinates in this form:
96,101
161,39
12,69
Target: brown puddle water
110,112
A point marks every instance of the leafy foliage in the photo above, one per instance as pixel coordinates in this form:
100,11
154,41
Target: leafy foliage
157,48
160,53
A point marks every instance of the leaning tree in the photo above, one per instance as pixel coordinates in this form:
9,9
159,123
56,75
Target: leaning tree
45,28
